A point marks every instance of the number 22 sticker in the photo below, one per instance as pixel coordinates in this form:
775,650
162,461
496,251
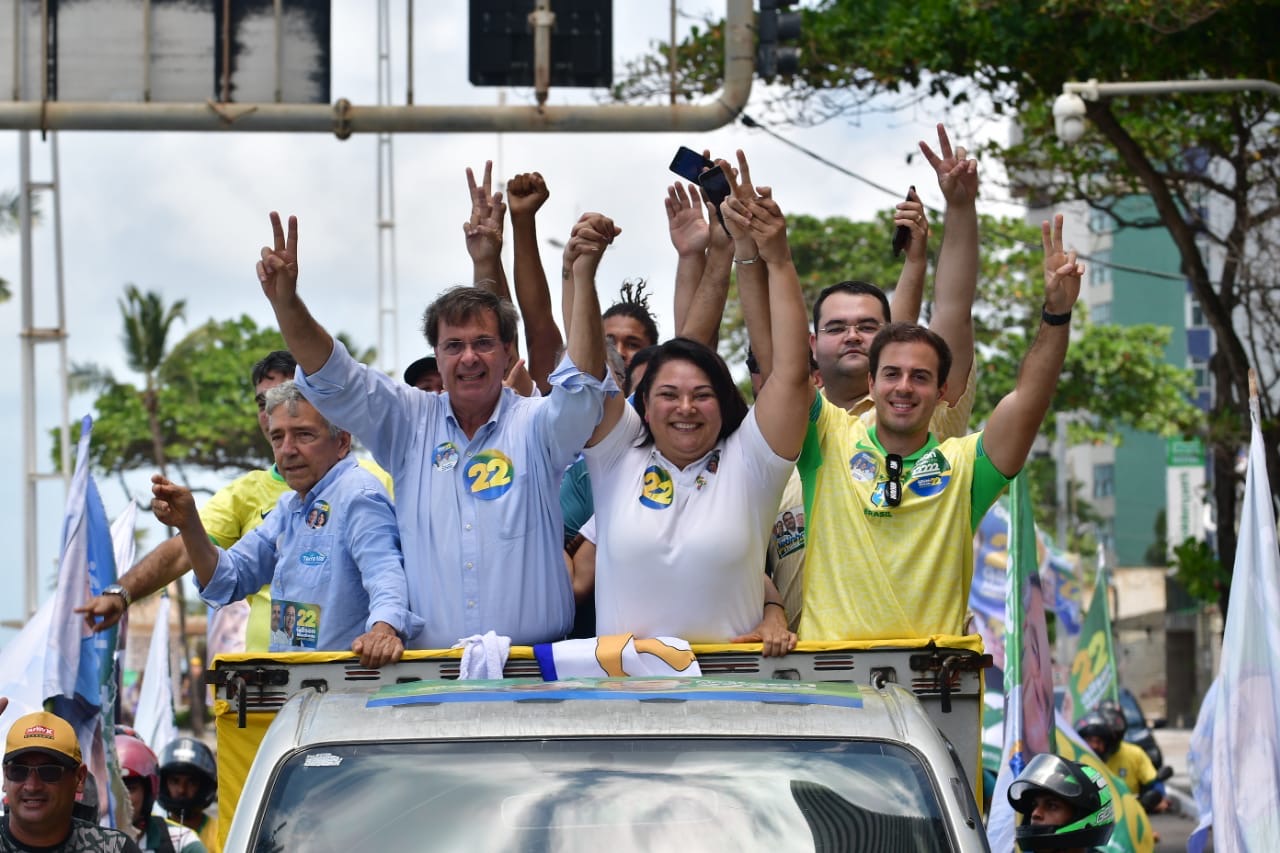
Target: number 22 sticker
490,475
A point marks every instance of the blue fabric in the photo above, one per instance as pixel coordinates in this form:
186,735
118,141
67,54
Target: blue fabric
576,499
546,657
480,519
350,566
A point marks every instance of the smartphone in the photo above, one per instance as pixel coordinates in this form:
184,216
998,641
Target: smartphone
715,186
689,164
902,234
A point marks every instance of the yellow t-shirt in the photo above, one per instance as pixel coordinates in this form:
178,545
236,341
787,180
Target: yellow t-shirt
238,508
877,572
1132,764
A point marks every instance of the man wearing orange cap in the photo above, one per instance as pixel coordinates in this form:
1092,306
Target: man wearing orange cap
42,772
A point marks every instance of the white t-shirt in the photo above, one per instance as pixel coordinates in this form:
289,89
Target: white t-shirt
681,553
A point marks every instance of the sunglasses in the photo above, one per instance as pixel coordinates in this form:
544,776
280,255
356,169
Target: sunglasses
48,773
893,488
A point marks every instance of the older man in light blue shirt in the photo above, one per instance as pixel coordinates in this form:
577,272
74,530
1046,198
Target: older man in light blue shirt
330,550
478,468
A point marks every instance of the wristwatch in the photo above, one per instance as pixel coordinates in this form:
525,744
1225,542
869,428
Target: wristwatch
117,589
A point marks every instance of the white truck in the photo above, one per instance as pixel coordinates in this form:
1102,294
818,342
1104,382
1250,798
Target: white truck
833,747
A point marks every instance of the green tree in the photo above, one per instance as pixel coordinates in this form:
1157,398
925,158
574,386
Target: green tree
204,404
1207,162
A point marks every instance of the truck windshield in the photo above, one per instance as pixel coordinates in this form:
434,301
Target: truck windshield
603,794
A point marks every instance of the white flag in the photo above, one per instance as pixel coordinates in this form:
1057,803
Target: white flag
154,717
1246,719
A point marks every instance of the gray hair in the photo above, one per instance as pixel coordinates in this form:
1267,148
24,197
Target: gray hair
288,394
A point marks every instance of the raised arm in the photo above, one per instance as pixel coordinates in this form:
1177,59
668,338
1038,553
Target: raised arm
782,406
957,279
1013,425
526,194
753,279
908,294
174,506
483,231
690,235
310,344
706,309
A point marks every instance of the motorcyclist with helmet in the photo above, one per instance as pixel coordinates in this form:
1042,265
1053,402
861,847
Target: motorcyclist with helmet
1065,806
188,785
141,773
1105,735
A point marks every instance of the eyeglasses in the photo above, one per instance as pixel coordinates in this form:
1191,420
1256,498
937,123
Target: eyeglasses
893,488
864,327
48,773
480,346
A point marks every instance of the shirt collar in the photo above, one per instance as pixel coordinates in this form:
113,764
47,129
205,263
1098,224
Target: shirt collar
929,443
342,465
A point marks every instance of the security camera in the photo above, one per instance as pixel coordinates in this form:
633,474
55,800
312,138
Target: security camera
1068,117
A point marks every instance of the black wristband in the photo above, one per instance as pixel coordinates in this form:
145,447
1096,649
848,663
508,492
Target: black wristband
1054,319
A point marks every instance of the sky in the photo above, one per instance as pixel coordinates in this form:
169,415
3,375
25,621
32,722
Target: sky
186,213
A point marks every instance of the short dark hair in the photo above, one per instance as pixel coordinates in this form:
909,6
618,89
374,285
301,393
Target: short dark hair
733,409
634,303
639,359
910,333
853,288
462,304
280,361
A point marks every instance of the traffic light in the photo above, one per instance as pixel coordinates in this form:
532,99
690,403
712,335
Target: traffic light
501,43
776,25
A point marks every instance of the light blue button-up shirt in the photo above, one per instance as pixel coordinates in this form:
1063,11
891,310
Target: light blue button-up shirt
336,554
480,519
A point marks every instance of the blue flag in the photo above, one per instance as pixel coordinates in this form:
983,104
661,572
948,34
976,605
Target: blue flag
78,663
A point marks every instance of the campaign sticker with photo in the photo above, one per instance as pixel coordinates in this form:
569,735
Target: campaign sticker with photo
319,515
863,467
298,624
445,456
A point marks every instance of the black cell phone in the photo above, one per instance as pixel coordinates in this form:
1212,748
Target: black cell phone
715,186
902,234
689,164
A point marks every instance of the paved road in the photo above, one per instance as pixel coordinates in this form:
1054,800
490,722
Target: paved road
1174,829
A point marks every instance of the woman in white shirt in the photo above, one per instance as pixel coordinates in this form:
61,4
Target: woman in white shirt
687,483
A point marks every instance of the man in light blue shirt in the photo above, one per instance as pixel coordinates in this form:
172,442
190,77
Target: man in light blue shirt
330,551
478,468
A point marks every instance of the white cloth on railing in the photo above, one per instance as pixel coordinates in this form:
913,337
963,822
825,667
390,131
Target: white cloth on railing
483,656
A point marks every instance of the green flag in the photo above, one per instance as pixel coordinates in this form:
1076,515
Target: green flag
1093,669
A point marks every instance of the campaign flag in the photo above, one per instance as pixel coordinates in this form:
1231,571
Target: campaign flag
74,677
1093,669
1028,677
1246,720
1200,768
1064,591
22,667
154,717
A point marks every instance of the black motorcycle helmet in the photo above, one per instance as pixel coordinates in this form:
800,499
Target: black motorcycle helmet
1085,793
188,755
1094,724
1114,714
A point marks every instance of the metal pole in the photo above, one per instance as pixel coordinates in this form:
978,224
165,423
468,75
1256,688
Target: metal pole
408,74
30,515
671,53
61,291
541,20
1092,90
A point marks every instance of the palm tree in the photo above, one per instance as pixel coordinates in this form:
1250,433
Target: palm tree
8,224
146,331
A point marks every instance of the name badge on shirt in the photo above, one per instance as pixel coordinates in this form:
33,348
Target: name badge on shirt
490,474
657,491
